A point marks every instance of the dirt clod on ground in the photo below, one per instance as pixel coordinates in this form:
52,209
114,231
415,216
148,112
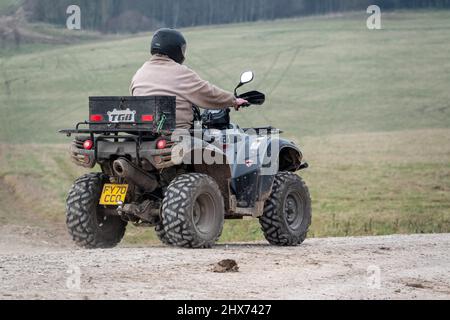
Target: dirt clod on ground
227,265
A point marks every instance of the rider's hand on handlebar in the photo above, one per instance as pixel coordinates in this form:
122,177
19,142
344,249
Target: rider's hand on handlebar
239,103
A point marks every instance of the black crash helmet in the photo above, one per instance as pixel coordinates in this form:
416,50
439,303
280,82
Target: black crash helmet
171,43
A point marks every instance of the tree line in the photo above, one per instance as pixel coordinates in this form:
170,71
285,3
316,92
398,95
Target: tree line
138,15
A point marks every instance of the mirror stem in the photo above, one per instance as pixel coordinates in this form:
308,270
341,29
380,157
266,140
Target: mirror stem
235,90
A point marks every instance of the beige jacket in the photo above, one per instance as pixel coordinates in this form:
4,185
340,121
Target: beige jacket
163,76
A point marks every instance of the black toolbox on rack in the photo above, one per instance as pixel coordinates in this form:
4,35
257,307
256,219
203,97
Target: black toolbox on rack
151,114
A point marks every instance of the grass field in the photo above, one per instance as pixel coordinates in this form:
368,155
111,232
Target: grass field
322,75
361,184
371,110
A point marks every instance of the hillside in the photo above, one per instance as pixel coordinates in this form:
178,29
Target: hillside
371,109
330,74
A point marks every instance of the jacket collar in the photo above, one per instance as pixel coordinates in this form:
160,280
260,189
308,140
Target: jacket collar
160,57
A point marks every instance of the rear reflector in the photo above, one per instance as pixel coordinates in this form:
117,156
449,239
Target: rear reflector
96,118
161,144
88,144
147,118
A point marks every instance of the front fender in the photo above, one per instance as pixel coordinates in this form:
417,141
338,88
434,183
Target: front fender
289,156
261,159
282,155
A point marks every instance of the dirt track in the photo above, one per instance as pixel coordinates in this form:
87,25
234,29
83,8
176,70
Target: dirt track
411,267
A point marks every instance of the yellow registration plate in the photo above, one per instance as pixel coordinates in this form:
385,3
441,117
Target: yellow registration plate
113,194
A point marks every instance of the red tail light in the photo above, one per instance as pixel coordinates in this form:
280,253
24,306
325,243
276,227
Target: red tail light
88,144
96,118
161,144
147,118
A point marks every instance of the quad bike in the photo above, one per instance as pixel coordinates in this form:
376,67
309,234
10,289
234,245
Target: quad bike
153,177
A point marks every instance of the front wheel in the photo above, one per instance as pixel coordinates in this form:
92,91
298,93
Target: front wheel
287,212
87,224
192,214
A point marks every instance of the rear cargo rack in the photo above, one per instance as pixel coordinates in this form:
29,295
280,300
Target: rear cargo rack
111,128
114,134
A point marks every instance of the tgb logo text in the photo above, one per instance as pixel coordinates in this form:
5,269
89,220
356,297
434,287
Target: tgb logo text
117,116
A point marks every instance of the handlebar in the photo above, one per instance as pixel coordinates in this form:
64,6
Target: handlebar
253,98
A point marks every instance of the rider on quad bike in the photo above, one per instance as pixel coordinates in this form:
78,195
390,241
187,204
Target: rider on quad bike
186,184
165,74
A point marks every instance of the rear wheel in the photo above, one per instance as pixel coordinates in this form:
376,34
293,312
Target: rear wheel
88,225
159,230
287,213
192,213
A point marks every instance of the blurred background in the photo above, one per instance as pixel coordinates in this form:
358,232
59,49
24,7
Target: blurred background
370,108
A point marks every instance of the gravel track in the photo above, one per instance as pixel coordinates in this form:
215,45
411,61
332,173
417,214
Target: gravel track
409,267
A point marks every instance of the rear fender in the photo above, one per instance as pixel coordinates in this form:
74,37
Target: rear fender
205,158
195,151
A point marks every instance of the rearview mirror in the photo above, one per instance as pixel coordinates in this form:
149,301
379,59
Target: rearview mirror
247,77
